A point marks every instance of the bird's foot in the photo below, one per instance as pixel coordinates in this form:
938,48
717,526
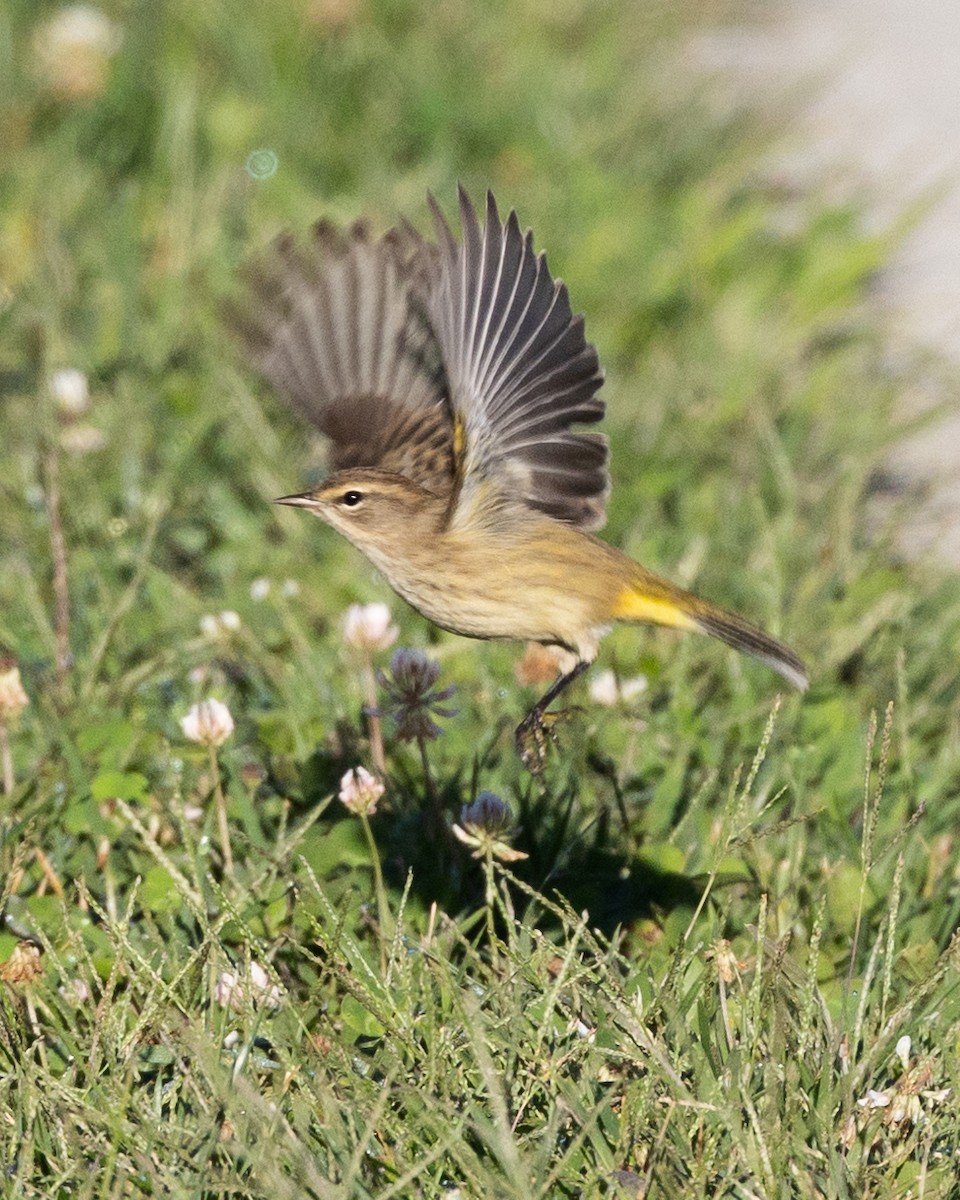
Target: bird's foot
532,734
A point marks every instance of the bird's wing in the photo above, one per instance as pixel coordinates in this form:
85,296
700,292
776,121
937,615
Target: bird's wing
337,326
519,370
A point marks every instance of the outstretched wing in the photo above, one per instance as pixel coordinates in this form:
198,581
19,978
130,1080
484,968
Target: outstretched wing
337,326
519,370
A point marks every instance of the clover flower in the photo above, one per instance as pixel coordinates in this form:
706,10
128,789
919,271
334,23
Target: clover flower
608,690
908,1099
483,827
412,697
369,627
235,991
360,791
209,723
222,624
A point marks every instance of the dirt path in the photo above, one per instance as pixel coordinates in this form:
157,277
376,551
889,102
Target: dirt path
883,119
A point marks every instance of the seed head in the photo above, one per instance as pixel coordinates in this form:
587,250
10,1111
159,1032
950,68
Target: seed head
23,965
72,50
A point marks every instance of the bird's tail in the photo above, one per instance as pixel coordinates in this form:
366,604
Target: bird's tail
651,599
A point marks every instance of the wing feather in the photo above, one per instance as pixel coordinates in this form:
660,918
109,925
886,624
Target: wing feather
337,326
519,369
387,345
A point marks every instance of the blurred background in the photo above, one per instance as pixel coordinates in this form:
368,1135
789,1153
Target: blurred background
870,96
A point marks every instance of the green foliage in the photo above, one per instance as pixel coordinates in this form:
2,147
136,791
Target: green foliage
367,1006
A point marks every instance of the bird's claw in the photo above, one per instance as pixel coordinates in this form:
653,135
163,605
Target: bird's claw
532,733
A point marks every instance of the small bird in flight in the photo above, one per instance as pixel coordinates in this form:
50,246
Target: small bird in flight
449,376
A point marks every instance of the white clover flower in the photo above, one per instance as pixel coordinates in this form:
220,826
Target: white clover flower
208,723
360,791
902,1051
234,992
214,625
13,697
630,689
290,588
75,992
607,690
70,392
874,1099
72,51
603,688
260,589
369,627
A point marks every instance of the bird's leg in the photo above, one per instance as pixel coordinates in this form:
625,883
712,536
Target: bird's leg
530,735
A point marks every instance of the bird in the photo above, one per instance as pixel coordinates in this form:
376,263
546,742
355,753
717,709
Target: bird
453,383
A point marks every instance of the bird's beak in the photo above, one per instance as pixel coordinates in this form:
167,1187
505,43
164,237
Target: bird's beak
302,500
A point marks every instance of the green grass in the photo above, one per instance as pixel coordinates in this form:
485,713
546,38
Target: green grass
711,951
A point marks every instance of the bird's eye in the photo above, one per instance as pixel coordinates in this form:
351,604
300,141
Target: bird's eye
351,499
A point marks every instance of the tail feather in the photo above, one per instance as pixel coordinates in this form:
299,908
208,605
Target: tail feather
654,600
743,636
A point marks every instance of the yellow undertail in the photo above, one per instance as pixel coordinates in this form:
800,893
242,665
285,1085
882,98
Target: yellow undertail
681,610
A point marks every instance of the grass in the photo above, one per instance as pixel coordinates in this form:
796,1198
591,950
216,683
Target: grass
732,910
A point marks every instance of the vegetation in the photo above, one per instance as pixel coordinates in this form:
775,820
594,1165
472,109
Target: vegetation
727,965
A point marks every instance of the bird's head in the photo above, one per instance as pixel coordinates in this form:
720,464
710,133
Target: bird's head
379,511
